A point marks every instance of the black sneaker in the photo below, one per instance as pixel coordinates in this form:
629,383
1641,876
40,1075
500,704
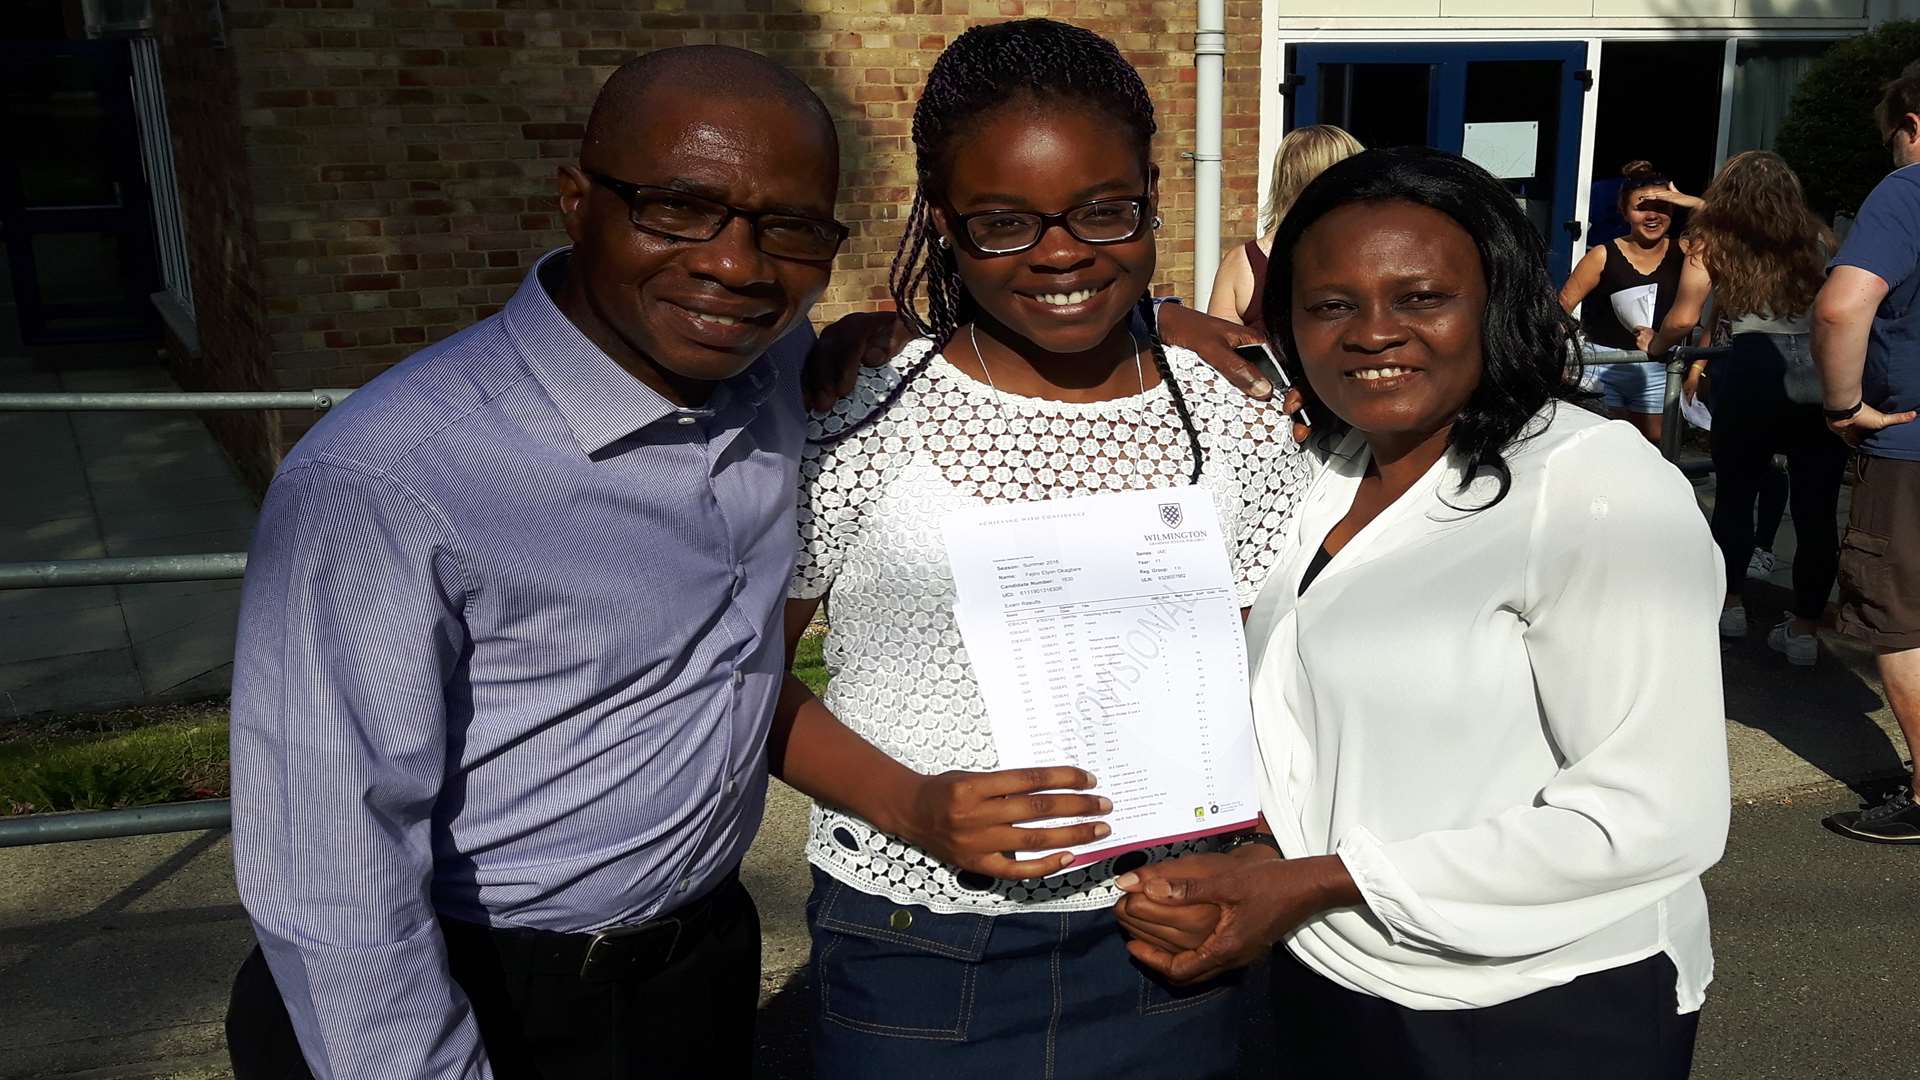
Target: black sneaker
1895,821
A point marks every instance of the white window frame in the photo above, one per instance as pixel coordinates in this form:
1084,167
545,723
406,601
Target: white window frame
156,158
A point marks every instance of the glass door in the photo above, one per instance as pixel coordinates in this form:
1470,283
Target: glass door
1514,107
73,195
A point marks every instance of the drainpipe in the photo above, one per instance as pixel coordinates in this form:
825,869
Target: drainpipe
1209,58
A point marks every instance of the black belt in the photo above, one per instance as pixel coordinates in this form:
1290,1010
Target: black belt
621,952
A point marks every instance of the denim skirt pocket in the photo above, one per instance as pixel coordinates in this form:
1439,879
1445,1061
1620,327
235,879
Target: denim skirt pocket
894,969
1158,997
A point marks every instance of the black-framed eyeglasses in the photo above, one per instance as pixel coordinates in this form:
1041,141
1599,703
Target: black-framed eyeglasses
678,215
1009,232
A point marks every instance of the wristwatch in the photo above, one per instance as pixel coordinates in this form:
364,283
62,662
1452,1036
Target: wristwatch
1251,836
1835,416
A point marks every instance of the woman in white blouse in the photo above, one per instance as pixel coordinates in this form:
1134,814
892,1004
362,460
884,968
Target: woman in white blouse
1485,677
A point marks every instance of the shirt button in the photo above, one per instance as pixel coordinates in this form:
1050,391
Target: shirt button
685,884
739,677
740,570
732,788
685,420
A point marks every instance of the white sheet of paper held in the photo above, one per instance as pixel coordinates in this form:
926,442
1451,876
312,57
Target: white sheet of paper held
1105,633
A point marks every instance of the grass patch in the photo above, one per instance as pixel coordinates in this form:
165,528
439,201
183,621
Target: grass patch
807,662
102,761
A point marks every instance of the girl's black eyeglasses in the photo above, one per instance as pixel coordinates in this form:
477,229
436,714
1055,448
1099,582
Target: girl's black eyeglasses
678,215
1009,232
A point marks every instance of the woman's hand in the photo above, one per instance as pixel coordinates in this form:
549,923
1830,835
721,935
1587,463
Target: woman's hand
1291,403
1260,903
861,339
969,819
1672,196
1180,927
1690,386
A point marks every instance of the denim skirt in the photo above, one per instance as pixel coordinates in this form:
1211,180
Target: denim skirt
908,994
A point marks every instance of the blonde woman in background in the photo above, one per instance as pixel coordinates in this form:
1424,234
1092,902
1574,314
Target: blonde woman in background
1304,154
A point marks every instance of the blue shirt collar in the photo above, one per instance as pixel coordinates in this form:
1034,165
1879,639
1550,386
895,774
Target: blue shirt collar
601,401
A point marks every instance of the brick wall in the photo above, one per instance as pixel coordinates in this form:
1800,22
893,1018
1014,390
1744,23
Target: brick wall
230,286
401,156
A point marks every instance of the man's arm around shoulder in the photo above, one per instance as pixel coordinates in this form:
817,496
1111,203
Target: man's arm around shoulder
350,626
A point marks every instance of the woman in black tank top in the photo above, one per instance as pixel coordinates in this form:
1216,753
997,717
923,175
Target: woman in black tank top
1647,257
1598,321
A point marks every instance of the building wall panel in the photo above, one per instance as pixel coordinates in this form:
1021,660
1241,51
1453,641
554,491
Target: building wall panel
398,157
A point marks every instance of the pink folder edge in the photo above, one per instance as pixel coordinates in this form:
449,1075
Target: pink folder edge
1212,830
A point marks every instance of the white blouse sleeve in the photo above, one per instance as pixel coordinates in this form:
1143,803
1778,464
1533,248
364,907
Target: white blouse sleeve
1273,475
1623,585
836,478
820,524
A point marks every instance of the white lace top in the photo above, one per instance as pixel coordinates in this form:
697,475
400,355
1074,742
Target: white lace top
870,511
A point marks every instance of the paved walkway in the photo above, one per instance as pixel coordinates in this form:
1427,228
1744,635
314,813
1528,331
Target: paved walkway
116,956
90,485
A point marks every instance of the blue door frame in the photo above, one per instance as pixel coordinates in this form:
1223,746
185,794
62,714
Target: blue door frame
1447,103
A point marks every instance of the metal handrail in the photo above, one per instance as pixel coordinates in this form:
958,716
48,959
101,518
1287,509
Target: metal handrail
1595,357
29,829
171,401
130,570
147,569
1675,361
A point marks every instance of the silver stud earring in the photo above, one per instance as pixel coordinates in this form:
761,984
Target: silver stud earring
1156,221
942,241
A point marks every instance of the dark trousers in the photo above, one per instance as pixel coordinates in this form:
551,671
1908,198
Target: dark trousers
1773,507
1752,421
1610,1025
686,1014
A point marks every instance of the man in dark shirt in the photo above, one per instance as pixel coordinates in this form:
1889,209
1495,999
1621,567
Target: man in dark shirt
1866,341
511,632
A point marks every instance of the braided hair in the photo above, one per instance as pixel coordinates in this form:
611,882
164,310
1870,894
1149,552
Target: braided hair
1028,63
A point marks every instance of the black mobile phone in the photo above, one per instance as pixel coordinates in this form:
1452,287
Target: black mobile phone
1262,358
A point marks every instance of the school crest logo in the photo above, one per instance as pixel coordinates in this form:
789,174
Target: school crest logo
1171,514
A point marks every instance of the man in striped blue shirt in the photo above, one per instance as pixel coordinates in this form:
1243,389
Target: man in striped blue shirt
511,632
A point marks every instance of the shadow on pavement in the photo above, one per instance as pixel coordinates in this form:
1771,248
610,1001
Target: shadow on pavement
782,1032
110,979
1826,714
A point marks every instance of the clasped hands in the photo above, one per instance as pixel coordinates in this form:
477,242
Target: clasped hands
1197,917
1189,919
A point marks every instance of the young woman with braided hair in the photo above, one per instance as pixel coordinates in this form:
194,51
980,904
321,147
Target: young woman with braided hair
1028,250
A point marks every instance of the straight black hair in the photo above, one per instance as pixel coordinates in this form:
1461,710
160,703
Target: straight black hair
1526,337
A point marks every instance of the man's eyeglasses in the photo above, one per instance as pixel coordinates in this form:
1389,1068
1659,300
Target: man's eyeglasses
1008,232
677,215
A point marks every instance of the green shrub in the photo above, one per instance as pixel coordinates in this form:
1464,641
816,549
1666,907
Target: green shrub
1829,135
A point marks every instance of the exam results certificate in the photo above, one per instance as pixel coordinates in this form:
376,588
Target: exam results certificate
1104,632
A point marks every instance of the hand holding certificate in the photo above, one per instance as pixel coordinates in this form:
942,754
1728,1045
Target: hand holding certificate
1105,634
